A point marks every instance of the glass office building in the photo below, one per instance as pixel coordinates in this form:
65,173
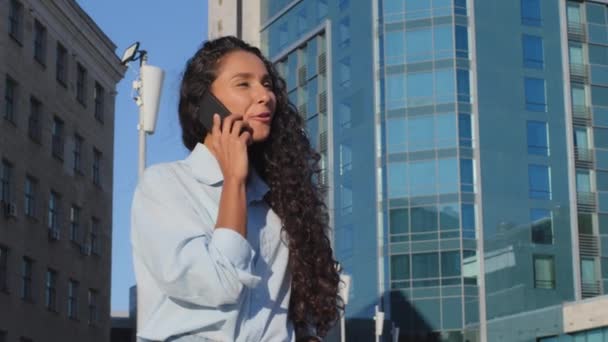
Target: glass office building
465,149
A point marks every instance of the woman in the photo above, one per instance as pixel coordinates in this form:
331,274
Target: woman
231,243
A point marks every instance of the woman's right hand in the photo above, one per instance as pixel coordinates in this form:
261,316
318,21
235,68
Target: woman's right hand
228,142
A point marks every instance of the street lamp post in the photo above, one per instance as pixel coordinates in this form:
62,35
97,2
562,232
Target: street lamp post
148,88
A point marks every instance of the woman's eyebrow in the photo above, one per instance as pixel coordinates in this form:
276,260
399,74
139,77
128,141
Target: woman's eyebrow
248,75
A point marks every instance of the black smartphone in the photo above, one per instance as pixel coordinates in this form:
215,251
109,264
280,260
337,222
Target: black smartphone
208,106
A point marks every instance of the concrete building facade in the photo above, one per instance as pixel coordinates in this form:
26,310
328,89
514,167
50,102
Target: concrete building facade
58,75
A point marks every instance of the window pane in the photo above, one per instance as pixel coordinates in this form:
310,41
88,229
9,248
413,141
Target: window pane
537,138
585,224
530,12
601,137
535,94
424,219
538,176
425,265
395,91
397,186
448,176
588,271
396,135
422,178
544,272
449,216
450,264
599,95
399,221
533,51
419,89
542,226
394,46
419,45
445,86
444,41
421,133
602,180
400,267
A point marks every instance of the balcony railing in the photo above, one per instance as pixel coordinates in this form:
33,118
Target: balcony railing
583,157
592,289
586,201
581,115
588,245
579,72
576,31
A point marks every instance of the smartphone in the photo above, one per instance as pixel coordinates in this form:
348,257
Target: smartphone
208,106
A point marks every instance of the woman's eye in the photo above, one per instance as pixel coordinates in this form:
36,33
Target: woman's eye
242,84
268,85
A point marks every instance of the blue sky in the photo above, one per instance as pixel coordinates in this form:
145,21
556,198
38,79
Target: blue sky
171,31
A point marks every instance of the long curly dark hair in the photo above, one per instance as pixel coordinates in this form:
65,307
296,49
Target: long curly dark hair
289,165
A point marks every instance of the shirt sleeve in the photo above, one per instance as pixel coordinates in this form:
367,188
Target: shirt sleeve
187,261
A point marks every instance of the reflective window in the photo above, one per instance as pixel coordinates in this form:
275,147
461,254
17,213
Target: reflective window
575,53
400,267
544,272
598,54
574,12
419,89
599,95
466,175
399,221
394,42
419,45
601,137
583,181
468,221
578,98
344,32
535,94
533,51
424,219
445,86
396,135
344,72
539,182
393,6
448,176
542,226
444,41
345,158
421,133
425,265
537,138
596,13
397,186
449,216
422,178
588,274
395,91
450,264
464,92
602,180
445,130
464,130
462,41
346,195
530,12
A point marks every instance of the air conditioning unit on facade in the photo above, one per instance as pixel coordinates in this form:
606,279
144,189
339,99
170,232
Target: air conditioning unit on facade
10,209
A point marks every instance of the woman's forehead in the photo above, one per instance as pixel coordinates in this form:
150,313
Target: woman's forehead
241,63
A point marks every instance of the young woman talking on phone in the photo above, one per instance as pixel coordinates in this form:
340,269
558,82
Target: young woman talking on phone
230,244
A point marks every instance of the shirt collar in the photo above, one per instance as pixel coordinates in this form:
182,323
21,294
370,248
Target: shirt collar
206,169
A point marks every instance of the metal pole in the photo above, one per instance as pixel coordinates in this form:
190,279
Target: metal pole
140,126
343,328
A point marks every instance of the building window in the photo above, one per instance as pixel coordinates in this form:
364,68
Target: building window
93,314
400,269
97,166
344,31
26,279
539,182
50,290
99,101
346,158
425,266
73,299
535,94
15,20
57,138
533,51
40,42
542,226
77,154
74,223
6,179
3,269
10,99
451,265
537,138
61,65
531,12
81,84
53,215
95,245
588,272
29,206
544,272
34,128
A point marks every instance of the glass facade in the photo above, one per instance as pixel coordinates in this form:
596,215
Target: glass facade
450,158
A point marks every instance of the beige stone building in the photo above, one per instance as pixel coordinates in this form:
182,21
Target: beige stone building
58,75
240,18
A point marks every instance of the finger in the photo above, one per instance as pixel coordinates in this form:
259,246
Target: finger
217,122
246,138
228,122
237,128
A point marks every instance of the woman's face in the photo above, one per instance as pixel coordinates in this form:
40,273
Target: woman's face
244,86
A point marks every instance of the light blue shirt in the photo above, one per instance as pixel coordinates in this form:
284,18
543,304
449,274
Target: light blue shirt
196,282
